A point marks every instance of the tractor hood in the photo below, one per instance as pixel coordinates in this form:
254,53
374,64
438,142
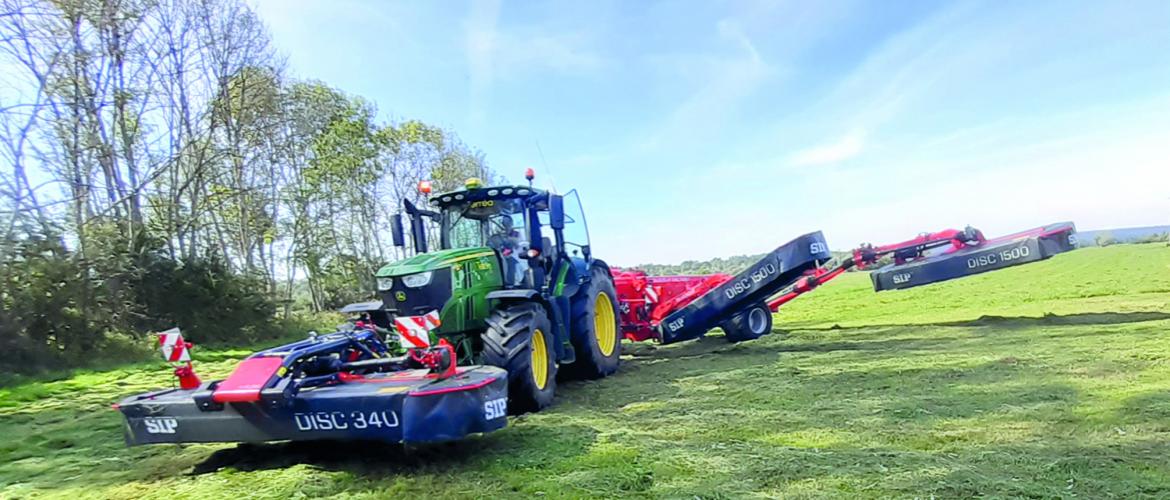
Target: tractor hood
431,260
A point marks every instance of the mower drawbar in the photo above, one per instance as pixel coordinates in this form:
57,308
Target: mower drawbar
409,406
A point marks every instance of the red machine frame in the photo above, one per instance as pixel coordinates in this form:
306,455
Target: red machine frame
645,300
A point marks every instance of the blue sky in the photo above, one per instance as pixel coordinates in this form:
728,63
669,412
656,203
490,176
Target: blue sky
704,129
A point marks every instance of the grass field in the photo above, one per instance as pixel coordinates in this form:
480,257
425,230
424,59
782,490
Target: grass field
1049,380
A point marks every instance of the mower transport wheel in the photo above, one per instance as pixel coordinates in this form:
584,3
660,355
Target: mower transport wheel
519,339
749,324
595,333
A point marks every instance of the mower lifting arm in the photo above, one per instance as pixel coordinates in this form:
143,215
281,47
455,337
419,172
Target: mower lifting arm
867,255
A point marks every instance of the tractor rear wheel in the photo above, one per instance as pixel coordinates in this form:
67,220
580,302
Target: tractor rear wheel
595,332
519,339
749,324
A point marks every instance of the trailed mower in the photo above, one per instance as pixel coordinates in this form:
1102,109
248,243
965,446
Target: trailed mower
511,300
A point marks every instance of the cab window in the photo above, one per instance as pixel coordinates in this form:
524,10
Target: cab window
495,223
576,230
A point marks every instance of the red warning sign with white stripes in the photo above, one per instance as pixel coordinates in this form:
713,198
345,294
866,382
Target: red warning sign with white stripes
174,348
414,331
651,294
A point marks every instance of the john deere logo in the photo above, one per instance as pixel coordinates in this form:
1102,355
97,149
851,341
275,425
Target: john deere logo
400,296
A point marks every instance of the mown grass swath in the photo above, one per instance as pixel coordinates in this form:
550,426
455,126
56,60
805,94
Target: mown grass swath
1045,380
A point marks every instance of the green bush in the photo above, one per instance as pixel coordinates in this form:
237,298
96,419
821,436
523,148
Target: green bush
60,310
205,300
42,319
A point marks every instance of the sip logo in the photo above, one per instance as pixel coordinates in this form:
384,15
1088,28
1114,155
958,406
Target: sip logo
160,425
817,247
901,278
495,408
676,324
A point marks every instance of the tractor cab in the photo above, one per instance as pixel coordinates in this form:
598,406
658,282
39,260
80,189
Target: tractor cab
528,230
505,219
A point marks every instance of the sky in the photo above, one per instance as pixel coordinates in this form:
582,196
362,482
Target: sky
695,130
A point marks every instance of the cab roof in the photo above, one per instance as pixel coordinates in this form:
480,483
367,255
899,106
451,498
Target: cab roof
487,193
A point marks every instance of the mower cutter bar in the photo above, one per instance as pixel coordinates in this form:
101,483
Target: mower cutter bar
1020,248
409,406
777,270
969,253
343,385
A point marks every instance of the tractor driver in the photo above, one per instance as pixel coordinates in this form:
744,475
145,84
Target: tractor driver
506,240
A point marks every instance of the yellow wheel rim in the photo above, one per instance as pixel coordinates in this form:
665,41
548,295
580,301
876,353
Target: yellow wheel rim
539,359
604,324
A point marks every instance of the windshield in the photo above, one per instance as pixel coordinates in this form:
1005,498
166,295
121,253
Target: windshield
479,223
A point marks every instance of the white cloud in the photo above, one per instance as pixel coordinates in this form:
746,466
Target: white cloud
1114,182
880,90
837,151
494,54
726,80
564,53
480,33
1115,185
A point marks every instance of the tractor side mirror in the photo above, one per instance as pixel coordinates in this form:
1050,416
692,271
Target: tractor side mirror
556,211
396,232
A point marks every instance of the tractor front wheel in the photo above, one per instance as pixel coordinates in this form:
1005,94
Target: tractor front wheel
595,333
749,324
519,339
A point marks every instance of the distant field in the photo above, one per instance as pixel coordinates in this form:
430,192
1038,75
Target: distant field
1123,234
1049,380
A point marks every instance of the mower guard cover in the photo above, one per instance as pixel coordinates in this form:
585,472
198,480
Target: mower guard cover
410,406
778,269
1024,247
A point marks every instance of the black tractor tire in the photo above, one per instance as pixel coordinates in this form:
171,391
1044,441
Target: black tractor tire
514,340
598,348
749,324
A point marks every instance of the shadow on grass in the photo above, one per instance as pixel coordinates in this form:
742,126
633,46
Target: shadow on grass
1015,322
342,455
749,370
336,456
557,443
916,400
1052,468
1146,407
374,459
932,424
905,416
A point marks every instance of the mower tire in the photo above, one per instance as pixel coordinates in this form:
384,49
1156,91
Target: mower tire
595,333
519,339
749,324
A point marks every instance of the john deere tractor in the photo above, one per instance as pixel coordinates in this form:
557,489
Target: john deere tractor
515,284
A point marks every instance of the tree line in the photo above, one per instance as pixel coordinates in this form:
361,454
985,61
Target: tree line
727,265
162,166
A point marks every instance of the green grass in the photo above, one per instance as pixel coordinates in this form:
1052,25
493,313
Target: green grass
1049,380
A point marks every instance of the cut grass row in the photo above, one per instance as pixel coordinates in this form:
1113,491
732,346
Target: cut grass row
1049,380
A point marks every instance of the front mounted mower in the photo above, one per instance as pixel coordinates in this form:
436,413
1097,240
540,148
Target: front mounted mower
343,385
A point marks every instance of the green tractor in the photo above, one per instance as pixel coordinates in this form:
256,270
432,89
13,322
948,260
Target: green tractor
514,283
